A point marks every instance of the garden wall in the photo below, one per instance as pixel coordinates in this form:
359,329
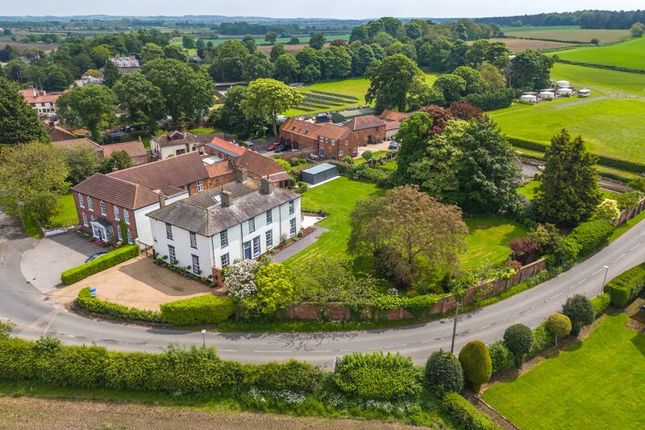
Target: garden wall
629,213
343,312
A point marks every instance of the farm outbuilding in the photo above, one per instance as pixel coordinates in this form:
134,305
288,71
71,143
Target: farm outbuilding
320,173
528,98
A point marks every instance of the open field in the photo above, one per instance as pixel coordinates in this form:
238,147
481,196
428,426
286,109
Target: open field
29,413
598,383
630,54
567,33
519,45
610,121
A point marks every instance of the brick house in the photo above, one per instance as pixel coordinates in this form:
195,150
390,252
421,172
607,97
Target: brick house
176,143
102,201
368,129
299,134
134,149
393,120
327,140
42,102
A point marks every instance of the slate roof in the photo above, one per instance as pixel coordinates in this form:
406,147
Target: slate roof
204,215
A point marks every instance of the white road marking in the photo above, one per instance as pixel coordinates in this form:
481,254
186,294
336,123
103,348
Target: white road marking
635,246
597,271
557,295
578,283
617,258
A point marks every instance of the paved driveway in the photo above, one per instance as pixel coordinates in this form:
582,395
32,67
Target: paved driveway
42,265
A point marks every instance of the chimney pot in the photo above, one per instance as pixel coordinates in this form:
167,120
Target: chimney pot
240,175
227,199
266,187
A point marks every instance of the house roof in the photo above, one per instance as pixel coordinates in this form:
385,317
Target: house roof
259,164
228,148
134,148
57,133
203,213
392,125
169,175
219,168
181,138
363,122
301,128
392,115
33,96
333,131
83,142
117,191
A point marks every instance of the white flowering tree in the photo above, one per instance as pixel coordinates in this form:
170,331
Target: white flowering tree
240,279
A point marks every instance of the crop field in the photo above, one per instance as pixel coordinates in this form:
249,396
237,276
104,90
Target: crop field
630,54
519,45
611,121
567,33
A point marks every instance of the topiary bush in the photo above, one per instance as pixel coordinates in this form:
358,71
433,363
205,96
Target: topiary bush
591,235
206,309
500,356
519,340
559,325
542,338
444,373
600,303
101,263
475,360
579,310
465,414
377,376
97,306
626,287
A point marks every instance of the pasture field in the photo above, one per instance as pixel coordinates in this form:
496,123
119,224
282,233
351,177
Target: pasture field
630,54
519,45
609,81
567,33
598,383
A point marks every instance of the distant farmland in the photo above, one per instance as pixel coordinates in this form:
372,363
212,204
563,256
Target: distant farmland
303,39
567,34
630,54
519,45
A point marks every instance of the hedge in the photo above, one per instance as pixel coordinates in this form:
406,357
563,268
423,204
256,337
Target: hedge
101,263
626,287
600,303
419,305
97,306
501,357
378,376
291,375
601,66
542,339
465,414
591,235
491,100
206,309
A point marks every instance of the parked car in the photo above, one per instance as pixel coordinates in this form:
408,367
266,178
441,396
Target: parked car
94,256
274,146
394,145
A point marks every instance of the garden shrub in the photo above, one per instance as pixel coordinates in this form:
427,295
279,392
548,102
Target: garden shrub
101,263
97,306
475,360
377,376
591,235
579,310
419,305
274,289
491,100
206,309
519,340
291,375
5,328
500,356
559,325
627,286
542,338
444,373
600,303
465,414
387,303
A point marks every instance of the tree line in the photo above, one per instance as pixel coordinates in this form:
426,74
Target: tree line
609,19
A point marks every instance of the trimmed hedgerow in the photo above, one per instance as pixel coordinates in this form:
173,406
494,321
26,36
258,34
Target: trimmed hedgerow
291,375
206,309
591,235
542,338
475,360
97,306
500,356
465,414
419,305
600,303
101,263
378,376
626,287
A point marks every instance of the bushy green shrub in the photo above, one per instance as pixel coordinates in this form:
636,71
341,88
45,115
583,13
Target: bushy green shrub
542,338
519,340
206,309
500,356
101,263
600,303
491,100
591,235
444,373
419,305
386,303
559,325
377,376
5,328
465,414
627,286
291,375
97,306
475,360
579,310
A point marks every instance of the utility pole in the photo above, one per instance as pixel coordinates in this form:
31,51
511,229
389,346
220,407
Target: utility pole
203,338
604,281
454,328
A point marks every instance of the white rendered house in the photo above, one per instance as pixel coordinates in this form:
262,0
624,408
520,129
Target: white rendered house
213,229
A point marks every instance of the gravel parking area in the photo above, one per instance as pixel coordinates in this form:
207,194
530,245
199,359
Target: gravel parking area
138,283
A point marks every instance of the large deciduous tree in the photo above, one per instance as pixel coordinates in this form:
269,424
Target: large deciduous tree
140,98
82,162
530,70
390,82
91,106
568,192
268,98
425,235
19,123
231,118
317,41
413,134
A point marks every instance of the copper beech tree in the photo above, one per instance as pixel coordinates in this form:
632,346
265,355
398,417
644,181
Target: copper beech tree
409,233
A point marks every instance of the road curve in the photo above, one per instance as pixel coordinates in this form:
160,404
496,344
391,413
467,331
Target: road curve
34,316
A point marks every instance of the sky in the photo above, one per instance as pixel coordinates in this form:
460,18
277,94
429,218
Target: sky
345,9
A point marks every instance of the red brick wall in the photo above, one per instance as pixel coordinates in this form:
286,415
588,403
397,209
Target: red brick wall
109,215
347,147
363,136
297,141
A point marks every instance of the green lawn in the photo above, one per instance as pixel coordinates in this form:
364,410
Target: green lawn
528,190
68,215
488,239
630,53
567,33
596,384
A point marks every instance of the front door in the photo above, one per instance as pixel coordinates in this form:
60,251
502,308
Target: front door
247,251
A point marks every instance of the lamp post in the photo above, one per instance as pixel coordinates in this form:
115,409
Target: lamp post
203,338
604,280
